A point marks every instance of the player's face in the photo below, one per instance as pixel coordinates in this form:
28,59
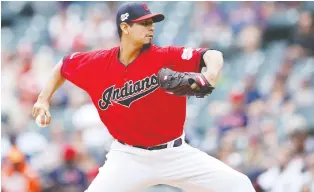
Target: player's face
142,32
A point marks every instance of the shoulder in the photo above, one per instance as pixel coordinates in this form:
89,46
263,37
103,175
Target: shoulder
91,55
105,53
162,50
159,48
174,49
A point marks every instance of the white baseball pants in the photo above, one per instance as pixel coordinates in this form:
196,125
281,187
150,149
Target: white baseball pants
130,169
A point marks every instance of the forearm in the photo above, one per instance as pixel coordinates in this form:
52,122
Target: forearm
53,83
214,61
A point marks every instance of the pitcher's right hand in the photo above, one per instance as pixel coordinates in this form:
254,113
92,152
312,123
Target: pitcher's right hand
41,109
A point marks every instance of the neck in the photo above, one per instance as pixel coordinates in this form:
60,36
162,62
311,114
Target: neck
129,52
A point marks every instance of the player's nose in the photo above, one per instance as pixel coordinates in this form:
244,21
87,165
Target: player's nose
151,28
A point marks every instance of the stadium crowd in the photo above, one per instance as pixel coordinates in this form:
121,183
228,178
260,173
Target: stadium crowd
259,120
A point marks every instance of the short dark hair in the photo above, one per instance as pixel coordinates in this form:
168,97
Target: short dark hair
119,31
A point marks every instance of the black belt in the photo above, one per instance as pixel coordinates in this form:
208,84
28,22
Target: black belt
178,142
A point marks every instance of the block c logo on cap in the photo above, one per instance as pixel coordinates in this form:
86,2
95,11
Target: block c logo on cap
145,7
124,16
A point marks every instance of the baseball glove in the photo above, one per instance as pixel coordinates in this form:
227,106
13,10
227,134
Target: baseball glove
180,84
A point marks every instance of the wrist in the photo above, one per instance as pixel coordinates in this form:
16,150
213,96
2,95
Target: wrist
42,98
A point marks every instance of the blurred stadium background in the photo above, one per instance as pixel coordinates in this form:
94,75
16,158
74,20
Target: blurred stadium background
259,120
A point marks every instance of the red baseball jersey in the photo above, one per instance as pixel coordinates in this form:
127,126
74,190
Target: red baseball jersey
128,98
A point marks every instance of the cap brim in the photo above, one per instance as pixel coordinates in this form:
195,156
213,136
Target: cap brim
156,17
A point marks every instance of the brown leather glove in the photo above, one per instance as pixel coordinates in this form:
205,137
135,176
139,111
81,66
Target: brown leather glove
180,83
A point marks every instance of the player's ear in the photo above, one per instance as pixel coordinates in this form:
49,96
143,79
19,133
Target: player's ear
124,27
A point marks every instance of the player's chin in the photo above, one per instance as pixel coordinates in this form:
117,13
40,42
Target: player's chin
148,39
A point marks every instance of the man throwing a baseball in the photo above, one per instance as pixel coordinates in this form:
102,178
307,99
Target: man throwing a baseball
140,92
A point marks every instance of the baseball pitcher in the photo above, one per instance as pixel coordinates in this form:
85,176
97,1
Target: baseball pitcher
140,91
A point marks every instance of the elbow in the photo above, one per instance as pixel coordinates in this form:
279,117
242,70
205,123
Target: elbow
214,57
219,56
214,61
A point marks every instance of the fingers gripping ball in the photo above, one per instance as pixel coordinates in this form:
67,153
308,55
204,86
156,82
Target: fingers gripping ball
42,120
184,83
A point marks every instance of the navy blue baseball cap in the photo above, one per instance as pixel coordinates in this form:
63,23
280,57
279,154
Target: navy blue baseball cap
135,12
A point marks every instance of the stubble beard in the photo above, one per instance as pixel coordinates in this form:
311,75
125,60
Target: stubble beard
147,45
